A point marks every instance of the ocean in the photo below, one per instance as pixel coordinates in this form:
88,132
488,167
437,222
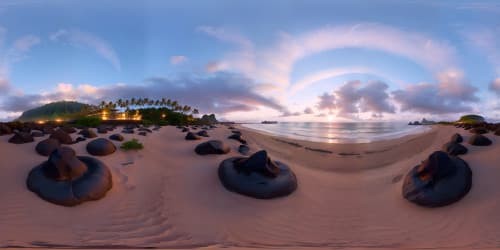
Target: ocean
339,132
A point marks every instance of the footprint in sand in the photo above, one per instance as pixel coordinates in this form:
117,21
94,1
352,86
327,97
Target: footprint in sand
397,178
122,176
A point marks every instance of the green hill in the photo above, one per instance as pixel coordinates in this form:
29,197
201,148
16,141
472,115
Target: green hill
468,119
56,110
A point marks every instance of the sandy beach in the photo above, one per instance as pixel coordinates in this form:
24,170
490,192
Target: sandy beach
166,196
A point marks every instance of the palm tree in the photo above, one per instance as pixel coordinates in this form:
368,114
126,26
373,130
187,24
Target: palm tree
103,103
195,112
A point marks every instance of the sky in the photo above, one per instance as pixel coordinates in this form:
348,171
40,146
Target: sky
257,60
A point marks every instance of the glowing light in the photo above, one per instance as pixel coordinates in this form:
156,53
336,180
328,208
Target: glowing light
40,122
330,118
163,115
59,120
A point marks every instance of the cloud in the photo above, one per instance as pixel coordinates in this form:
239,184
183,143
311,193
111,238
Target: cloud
79,38
226,36
495,86
452,94
220,93
326,74
354,97
25,43
375,98
4,86
276,62
214,67
308,111
288,113
175,60
326,102
14,53
486,41
242,60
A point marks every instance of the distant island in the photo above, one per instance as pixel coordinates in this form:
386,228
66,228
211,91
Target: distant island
269,122
423,122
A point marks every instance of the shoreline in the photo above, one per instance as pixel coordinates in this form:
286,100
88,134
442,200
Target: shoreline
413,130
349,156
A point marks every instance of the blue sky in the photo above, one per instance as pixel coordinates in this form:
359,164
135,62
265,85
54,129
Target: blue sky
253,60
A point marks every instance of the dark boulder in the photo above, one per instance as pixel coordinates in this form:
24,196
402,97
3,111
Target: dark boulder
101,147
497,132
143,133
238,137
37,133
68,129
191,136
236,132
5,130
128,131
257,176
116,137
212,147
453,148
185,130
131,126
88,133
68,180
438,181
80,139
244,149
145,130
48,130
103,129
21,138
62,137
479,130
457,138
47,146
202,133
479,140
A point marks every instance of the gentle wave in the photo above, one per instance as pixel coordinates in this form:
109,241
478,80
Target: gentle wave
339,132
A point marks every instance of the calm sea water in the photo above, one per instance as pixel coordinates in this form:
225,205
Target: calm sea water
340,132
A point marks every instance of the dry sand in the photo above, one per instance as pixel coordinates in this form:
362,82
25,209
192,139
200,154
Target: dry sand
169,197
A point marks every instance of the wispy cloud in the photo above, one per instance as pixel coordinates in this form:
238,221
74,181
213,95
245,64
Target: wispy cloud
80,38
242,58
14,53
487,42
176,60
495,86
275,64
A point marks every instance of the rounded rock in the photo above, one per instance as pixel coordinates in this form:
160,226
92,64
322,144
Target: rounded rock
438,181
212,147
47,146
68,180
101,147
479,140
257,176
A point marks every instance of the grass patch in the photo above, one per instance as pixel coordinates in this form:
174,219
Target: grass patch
88,121
133,144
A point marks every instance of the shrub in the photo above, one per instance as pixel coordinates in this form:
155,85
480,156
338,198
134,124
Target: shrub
88,121
133,144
